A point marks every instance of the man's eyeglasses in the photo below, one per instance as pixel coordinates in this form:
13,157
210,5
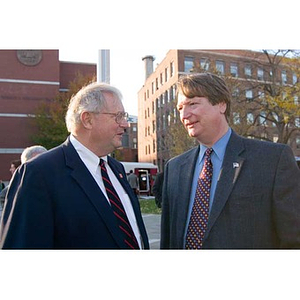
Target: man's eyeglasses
119,116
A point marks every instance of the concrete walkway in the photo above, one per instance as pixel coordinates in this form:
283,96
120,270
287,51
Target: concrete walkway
152,223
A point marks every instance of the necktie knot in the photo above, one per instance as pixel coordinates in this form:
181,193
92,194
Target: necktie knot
208,152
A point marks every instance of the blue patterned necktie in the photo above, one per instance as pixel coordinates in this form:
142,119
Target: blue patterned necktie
200,211
118,210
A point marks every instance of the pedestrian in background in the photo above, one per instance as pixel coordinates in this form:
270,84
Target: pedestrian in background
76,196
247,194
14,164
27,154
157,188
133,181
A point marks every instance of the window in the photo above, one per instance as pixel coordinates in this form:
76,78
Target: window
250,118
283,77
166,74
171,68
220,66
234,70
249,95
260,74
161,78
134,128
188,64
236,118
297,122
204,64
152,87
295,79
248,71
262,118
134,140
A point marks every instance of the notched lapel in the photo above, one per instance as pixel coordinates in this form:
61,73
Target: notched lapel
231,169
94,194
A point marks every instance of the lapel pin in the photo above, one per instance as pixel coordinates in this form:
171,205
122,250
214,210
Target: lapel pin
121,176
236,165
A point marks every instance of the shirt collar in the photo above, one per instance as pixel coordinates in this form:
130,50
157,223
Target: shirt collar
219,147
90,159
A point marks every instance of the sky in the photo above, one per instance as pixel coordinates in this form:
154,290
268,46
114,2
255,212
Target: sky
127,71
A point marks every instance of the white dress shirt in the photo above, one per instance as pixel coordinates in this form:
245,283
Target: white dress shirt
92,161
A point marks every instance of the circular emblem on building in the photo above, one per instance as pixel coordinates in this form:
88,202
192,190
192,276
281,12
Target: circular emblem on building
30,57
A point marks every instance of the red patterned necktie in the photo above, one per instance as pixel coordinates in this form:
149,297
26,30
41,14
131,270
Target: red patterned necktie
118,210
200,211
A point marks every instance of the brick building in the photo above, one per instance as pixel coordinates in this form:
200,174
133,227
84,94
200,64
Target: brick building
156,98
27,78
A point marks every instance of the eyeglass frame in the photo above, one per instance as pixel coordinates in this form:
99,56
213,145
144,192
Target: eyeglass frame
119,116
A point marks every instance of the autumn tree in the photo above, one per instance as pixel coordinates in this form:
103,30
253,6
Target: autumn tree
50,116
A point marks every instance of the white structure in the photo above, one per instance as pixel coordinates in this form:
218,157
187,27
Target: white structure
103,66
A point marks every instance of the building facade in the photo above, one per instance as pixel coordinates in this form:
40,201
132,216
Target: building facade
28,78
250,74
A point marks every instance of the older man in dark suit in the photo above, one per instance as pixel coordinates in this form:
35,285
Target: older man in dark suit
229,192
76,196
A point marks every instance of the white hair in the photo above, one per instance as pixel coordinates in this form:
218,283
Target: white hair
90,98
31,152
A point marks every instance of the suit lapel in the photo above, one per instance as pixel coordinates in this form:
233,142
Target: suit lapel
94,194
231,168
184,186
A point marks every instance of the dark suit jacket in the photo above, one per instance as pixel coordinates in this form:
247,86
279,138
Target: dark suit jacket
256,205
54,202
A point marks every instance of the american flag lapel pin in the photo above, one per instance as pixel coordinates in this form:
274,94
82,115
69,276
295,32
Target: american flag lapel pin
121,176
235,165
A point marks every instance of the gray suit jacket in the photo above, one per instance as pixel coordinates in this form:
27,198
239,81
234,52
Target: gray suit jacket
256,205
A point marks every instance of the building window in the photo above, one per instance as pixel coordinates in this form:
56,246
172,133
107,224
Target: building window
134,140
161,78
153,126
220,66
204,64
236,118
295,79
248,71
262,118
260,74
283,77
166,74
188,64
152,87
153,146
134,128
250,118
249,95
234,70
297,122
171,68
156,83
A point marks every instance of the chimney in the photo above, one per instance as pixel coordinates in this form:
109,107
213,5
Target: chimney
149,59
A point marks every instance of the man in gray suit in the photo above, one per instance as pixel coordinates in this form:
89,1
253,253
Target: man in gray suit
253,198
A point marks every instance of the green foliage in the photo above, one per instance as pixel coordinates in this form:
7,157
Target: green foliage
50,116
148,206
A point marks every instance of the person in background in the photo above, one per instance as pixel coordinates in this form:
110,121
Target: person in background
157,188
76,196
31,152
133,181
247,194
14,164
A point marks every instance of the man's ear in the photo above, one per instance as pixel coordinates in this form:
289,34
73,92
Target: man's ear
86,119
222,107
